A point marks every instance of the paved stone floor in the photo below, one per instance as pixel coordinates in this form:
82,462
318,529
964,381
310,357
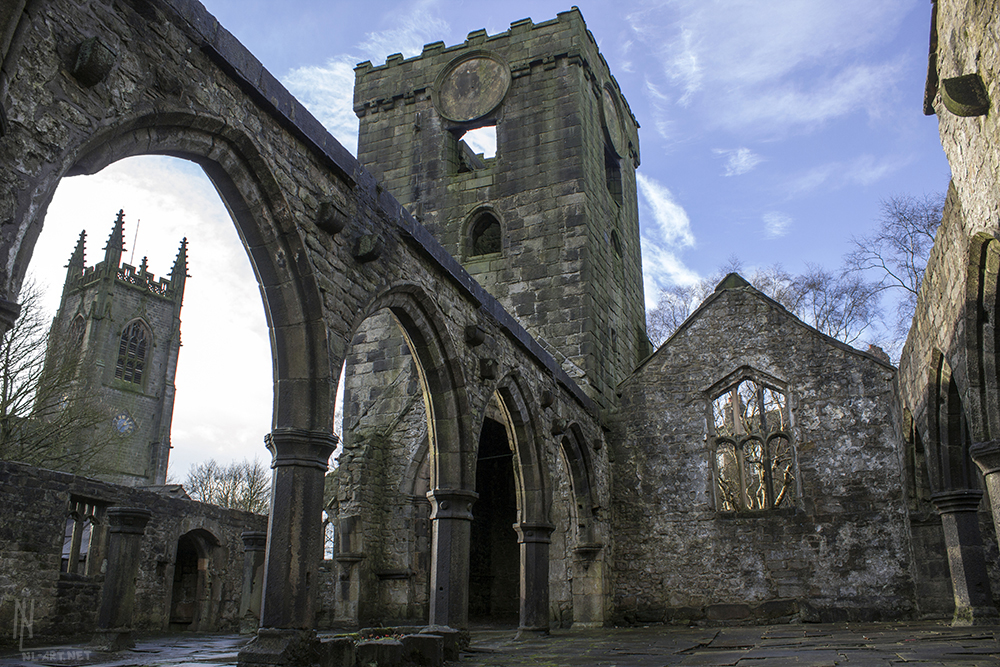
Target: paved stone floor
925,644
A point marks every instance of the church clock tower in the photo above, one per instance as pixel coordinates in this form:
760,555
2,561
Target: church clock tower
126,324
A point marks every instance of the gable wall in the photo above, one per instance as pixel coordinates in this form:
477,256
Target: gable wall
842,553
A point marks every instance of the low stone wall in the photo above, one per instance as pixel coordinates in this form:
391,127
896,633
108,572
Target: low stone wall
61,605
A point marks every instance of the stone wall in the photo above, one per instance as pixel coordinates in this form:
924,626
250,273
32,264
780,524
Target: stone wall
948,368
838,549
36,504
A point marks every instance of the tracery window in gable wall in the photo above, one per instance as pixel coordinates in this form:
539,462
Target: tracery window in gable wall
754,458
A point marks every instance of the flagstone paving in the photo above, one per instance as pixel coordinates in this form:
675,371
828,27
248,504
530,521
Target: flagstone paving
922,644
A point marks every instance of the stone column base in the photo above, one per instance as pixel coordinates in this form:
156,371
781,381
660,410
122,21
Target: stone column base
966,616
278,648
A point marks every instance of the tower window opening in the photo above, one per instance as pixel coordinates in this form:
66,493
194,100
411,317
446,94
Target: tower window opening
475,147
613,175
484,236
132,353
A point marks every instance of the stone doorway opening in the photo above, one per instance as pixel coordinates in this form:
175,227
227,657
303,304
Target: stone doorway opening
494,559
191,603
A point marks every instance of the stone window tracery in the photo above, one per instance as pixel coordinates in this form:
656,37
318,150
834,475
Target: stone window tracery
83,536
754,458
132,352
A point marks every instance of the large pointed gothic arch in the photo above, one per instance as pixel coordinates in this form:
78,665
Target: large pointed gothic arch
304,390
450,444
534,495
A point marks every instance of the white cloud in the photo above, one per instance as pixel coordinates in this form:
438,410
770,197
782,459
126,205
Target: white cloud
776,224
660,269
864,170
671,220
412,31
328,92
739,161
666,230
771,66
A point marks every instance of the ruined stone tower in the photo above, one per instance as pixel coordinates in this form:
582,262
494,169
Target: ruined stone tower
126,324
549,225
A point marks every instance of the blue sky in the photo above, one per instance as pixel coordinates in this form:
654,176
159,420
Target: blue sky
769,132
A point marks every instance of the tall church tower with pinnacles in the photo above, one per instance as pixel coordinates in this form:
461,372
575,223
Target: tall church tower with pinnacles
126,325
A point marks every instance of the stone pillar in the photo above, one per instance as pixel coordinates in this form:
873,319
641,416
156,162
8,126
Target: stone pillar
451,529
114,618
294,547
959,512
987,457
588,585
254,544
534,539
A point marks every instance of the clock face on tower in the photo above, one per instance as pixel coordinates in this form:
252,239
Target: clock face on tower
123,423
472,86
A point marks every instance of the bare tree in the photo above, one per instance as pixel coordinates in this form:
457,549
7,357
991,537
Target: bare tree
241,485
897,251
843,306
47,417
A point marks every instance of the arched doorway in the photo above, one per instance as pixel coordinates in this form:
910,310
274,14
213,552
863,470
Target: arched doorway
494,562
193,606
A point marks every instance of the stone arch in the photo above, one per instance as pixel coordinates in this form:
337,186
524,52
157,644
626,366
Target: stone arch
442,379
193,601
304,390
949,463
534,491
588,580
581,468
450,445
483,232
983,337
534,498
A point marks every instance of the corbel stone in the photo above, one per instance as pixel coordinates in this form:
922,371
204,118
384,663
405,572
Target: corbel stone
547,399
475,335
488,369
965,95
558,426
94,60
367,248
331,218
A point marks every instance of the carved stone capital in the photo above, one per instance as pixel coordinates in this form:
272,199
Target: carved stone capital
130,520
254,540
534,532
951,502
298,447
452,503
987,456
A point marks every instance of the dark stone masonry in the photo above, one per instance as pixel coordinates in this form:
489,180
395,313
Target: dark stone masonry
513,452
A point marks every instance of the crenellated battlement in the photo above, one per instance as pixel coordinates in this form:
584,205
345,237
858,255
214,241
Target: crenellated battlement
527,47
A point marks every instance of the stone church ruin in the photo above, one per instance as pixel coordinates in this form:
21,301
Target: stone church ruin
513,448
